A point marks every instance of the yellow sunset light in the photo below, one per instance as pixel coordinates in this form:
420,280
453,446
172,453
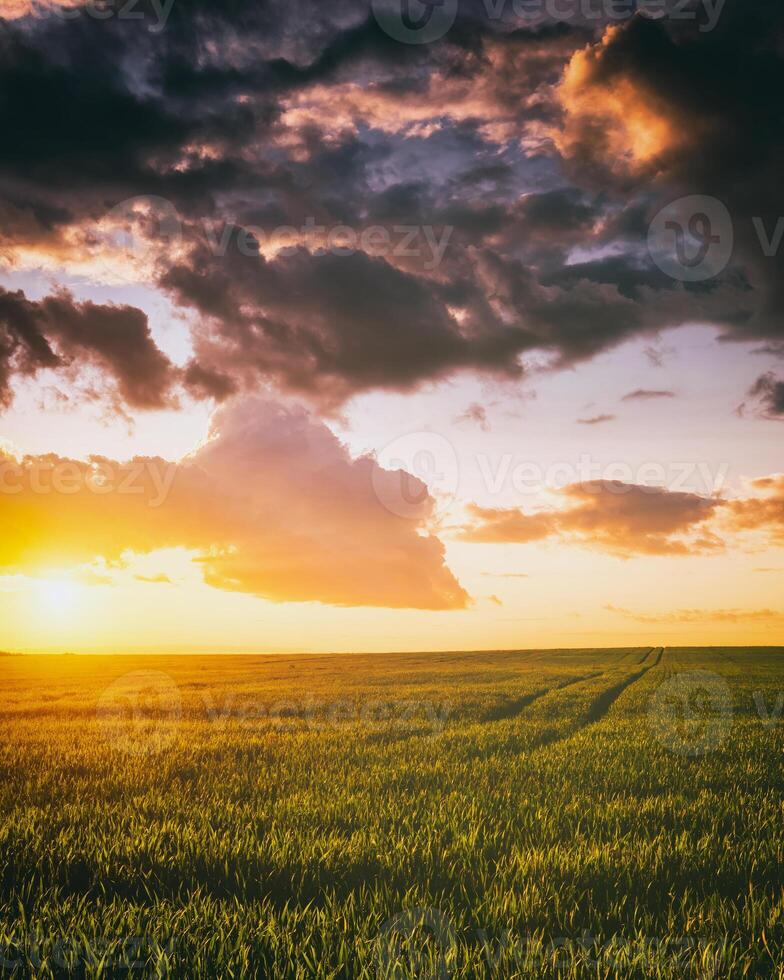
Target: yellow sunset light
59,597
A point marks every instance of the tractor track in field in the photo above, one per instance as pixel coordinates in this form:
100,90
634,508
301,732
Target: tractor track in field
607,699
600,706
728,656
602,703
517,707
634,653
647,654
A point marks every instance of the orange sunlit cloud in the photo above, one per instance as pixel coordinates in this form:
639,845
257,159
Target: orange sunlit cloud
272,503
501,81
609,116
762,512
13,9
619,518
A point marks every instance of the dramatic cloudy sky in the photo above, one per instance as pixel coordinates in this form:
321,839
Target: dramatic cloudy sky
382,325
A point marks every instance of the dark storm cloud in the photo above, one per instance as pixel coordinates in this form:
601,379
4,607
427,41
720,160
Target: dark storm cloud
263,115
557,213
627,274
102,110
663,108
767,394
329,325
63,335
586,313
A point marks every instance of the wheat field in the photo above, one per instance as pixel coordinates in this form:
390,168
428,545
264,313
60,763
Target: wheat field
575,813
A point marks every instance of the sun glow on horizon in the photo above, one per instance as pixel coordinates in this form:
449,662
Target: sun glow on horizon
59,597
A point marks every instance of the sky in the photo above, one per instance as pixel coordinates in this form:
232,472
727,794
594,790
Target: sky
381,325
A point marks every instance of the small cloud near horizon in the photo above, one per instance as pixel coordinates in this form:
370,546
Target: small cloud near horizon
645,394
700,615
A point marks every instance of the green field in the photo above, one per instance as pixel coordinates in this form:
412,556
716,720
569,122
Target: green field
594,813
